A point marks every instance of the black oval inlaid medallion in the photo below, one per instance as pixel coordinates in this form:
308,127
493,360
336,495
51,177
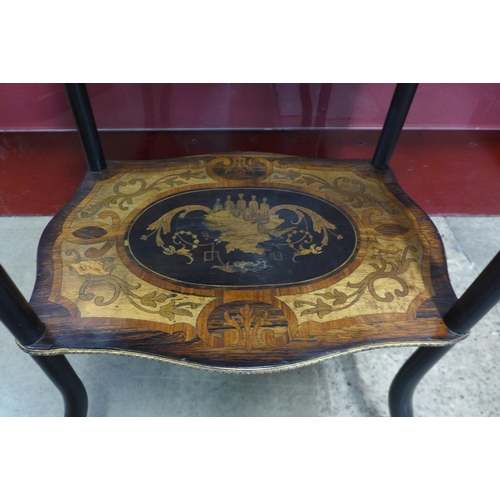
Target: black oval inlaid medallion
242,237
90,233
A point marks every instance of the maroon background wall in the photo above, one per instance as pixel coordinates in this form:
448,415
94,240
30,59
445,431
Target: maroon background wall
280,105
448,158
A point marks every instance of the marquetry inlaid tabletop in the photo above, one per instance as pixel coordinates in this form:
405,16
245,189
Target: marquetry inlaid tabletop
240,261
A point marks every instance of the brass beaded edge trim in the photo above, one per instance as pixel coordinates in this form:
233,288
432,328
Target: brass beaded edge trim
246,371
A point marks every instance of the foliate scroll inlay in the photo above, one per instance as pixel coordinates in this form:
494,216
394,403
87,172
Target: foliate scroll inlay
384,279
242,254
104,288
242,237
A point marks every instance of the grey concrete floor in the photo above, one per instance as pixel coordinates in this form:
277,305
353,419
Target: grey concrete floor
463,383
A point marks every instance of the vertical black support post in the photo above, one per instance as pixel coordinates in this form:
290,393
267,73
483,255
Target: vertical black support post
394,121
85,122
406,380
477,300
18,316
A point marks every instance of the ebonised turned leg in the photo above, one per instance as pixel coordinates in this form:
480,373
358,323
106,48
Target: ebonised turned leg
408,377
87,130
22,321
470,308
394,121
62,375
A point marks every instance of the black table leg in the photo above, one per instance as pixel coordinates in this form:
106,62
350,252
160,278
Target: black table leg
22,321
62,375
408,377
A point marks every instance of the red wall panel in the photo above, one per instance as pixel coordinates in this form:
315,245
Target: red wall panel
445,172
448,158
207,106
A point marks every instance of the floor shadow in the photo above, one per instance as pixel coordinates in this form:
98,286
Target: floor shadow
357,388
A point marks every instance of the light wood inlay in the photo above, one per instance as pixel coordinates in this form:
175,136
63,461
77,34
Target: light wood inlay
240,261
